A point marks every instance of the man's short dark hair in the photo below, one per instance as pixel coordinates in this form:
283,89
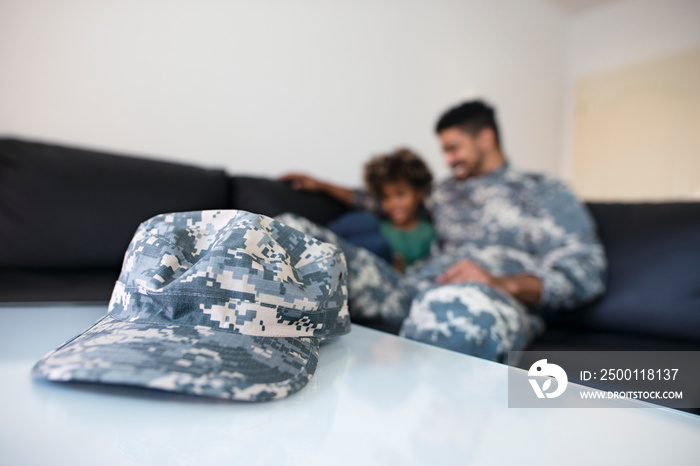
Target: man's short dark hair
471,117
401,165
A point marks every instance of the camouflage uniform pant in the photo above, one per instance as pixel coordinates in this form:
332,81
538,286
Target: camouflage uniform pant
470,318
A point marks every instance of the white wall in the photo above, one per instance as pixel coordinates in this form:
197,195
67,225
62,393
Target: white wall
266,86
621,34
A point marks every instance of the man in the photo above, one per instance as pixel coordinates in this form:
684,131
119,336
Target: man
511,244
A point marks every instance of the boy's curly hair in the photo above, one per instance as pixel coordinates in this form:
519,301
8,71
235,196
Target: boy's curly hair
401,165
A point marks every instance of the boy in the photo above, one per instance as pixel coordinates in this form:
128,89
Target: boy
398,182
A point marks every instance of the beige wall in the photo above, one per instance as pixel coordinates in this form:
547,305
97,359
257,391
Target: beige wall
637,131
613,41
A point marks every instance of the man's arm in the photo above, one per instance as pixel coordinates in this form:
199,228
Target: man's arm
571,260
307,183
524,287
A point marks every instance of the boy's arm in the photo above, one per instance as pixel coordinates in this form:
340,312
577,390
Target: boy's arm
308,183
354,198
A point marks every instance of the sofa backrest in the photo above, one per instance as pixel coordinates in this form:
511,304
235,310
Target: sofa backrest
270,197
654,270
62,207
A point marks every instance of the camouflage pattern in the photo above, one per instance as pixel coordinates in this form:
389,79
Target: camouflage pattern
470,318
375,290
226,304
507,222
511,222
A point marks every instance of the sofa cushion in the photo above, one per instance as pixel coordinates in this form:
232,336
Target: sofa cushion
654,270
68,285
270,197
64,207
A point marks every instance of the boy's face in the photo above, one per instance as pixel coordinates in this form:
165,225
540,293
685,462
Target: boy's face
401,202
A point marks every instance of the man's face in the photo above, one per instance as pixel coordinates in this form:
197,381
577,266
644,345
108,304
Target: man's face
462,153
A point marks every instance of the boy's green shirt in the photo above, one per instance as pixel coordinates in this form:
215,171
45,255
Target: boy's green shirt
411,244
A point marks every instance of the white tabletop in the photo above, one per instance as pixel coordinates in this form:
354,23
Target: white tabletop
375,399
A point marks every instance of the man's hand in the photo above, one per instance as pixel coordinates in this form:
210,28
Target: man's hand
466,271
301,181
525,288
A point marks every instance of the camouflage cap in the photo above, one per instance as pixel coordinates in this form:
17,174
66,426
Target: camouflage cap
226,304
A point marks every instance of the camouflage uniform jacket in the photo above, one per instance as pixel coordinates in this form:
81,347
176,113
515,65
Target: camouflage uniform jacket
510,222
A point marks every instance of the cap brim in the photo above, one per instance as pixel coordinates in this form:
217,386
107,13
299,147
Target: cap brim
193,360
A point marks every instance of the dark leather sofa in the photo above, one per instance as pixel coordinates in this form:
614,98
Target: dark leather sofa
67,216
